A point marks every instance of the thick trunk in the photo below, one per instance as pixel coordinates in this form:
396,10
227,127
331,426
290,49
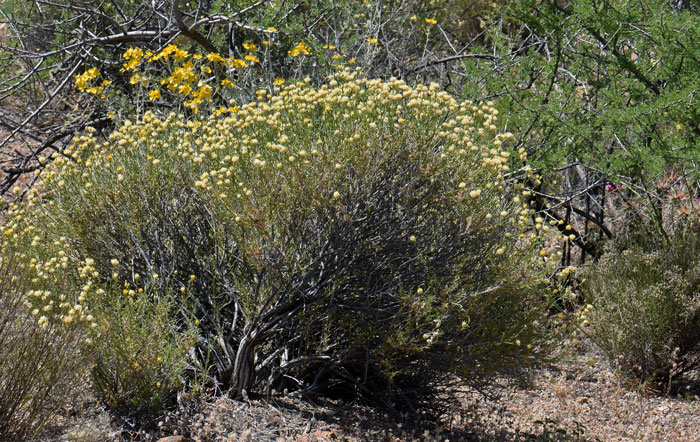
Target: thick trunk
243,376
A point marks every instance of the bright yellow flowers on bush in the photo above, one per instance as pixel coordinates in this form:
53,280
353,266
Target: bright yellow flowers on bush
183,70
82,80
300,49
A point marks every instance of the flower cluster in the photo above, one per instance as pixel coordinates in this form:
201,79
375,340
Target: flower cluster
300,49
189,76
84,82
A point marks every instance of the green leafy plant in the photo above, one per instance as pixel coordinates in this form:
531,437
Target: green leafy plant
605,112
140,358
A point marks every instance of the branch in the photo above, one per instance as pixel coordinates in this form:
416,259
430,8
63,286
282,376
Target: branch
451,58
189,32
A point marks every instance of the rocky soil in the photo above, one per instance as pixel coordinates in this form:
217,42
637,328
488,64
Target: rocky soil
581,399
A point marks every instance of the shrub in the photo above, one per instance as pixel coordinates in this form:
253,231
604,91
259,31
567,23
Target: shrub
646,307
340,236
140,360
130,335
41,367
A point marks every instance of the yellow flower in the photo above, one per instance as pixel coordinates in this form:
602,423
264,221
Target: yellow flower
271,29
431,21
252,58
301,48
250,47
165,53
328,47
372,41
114,262
80,82
237,63
226,82
154,94
180,54
212,56
278,81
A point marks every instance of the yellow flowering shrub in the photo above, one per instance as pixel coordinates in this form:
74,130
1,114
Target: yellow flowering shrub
41,366
128,334
188,79
314,228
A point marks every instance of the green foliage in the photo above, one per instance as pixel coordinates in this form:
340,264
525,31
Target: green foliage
646,307
607,86
140,359
41,368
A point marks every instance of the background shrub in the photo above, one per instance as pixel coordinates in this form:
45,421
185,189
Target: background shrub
42,368
646,307
330,237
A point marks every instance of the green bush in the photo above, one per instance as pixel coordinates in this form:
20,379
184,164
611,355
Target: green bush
41,366
646,307
344,236
605,112
140,359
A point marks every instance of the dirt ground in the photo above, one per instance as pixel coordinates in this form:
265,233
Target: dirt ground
581,399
